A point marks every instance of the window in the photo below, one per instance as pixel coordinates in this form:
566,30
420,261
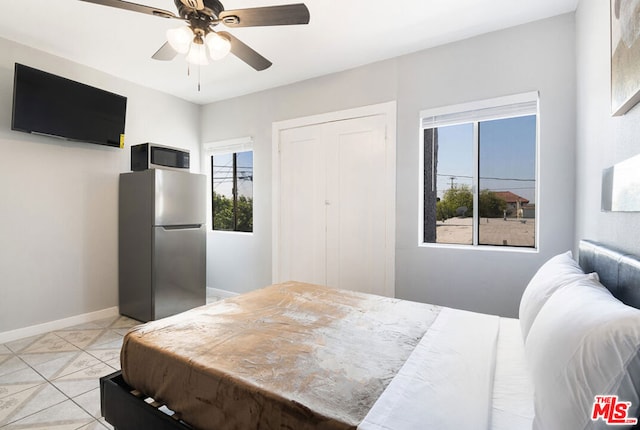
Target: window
479,165
232,191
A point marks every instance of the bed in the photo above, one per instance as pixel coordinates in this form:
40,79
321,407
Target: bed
299,356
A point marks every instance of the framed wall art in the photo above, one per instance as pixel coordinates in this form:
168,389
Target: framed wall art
621,186
625,55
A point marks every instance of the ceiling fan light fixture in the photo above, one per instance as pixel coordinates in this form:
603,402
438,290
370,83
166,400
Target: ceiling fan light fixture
198,54
218,45
201,16
180,39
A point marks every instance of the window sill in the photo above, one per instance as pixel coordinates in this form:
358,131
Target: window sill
480,248
231,232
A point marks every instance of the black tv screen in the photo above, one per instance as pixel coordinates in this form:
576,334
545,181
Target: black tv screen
52,105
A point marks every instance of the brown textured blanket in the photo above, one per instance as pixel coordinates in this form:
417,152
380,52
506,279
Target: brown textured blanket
289,356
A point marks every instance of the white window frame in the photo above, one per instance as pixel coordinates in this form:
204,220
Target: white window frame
210,149
464,113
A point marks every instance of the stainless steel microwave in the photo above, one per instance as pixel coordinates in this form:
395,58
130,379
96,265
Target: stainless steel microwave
153,156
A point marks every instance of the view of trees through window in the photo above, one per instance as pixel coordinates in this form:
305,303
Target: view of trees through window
491,164
232,197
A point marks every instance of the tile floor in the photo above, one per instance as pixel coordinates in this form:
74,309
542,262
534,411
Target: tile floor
51,381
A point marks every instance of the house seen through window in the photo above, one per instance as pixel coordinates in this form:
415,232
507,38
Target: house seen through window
232,186
480,174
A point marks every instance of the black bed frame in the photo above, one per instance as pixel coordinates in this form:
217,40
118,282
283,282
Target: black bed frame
127,409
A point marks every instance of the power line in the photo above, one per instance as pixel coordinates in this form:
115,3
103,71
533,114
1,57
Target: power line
510,188
231,167
488,177
241,176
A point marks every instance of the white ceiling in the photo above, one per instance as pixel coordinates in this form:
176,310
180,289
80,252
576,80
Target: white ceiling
342,34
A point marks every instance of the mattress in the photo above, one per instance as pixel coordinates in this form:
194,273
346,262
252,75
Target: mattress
291,355
303,357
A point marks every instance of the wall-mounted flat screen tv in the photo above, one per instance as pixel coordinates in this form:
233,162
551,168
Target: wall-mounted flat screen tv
55,106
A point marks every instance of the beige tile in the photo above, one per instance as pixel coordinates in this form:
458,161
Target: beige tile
85,326
49,342
63,416
81,338
115,364
82,381
37,358
121,331
15,382
90,402
5,357
20,344
124,322
28,402
106,322
117,322
66,365
10,364
108,337
96,425
116,344
105,355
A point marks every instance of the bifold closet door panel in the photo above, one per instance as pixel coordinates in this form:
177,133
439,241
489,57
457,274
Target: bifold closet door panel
356,209
302,238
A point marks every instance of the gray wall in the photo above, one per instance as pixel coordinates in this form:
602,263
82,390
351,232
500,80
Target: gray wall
58,199
538,56
602,140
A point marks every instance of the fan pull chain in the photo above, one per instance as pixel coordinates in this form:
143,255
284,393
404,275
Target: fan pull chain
189,74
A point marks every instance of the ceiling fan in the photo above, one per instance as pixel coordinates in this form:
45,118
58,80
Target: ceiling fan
200,41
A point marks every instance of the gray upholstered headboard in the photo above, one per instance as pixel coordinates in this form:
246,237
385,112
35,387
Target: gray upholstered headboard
618,270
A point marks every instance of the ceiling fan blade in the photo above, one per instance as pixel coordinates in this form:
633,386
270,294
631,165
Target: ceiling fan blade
290,14
194,4
165,53
135,7
245,53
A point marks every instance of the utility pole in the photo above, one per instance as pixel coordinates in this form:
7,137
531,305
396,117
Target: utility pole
452,178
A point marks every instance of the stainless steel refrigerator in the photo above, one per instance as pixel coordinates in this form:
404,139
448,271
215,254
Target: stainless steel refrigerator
162,243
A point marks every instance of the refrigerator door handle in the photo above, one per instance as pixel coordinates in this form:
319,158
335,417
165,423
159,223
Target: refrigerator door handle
181,227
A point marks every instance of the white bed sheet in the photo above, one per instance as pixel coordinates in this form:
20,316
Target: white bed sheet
467,372
512,407
447,381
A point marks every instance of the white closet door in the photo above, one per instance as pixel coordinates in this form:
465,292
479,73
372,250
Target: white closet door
302,206
356,205
334,180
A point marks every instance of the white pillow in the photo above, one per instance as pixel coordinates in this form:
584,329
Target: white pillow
583,343
555,273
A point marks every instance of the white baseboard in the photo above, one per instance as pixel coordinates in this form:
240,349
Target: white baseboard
34,330
21,333
220,293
